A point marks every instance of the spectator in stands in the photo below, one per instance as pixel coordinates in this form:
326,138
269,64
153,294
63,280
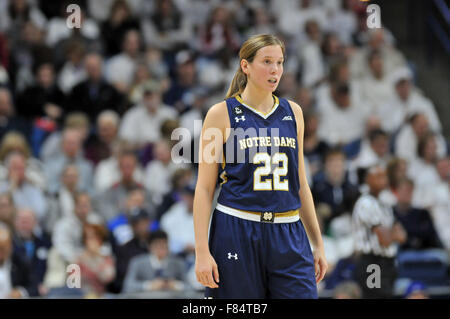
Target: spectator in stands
62,203
57,29
404,102
296,15
27,50
141,77
141,124
96,264
119,69
16,142
120,227
167,29
377,152
314,148
396,170
157,270
184,83
332,187
99,145
7,210
24,193
120,20
8,119
219,33
381,40
159,171
439,199
263,21
72,153
94,94
52,146
68,233
107,172
342,20
72,72
310,56
417,222
17,12
112,200
407,141
376,87
376,234
332,50
16,278
337,110
44,99
305,98
180,179
178,223
288,85
31,243
347,290
425,163
140,223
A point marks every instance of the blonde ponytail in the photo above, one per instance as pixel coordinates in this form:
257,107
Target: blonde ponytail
238,84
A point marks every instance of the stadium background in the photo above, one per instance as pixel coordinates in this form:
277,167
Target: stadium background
92,110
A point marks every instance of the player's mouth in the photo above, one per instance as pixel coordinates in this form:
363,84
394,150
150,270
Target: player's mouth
273,81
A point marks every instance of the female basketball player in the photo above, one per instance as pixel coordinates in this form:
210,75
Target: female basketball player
258,245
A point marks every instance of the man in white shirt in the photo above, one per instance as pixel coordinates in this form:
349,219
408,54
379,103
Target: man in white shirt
120,68
373,153
406,101
407,140
342,119
376,87
378,40
178,222
141,124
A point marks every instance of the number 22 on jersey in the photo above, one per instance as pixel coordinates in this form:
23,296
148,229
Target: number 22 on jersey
266,170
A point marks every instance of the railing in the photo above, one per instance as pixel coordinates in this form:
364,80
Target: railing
438,22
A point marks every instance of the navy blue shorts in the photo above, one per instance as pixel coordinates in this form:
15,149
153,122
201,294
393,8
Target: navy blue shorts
259,260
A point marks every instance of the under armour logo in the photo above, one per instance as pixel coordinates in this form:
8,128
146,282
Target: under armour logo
237,119
232,256
287,118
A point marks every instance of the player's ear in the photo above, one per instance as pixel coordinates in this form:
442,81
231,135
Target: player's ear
244,66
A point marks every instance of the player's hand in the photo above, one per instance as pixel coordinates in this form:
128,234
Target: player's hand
205,269
320,264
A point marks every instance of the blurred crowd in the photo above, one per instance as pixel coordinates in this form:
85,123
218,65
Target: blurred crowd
87,115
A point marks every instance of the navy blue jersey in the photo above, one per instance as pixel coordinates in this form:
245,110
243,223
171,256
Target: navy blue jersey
260,167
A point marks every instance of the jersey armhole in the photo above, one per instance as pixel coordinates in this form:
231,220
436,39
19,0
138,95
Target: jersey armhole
292,112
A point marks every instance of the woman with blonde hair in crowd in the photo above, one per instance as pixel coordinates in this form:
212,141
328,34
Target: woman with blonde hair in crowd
16,142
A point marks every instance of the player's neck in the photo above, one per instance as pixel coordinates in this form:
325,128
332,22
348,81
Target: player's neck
259,100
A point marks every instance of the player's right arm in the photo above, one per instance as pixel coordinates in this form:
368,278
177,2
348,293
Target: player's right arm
211,143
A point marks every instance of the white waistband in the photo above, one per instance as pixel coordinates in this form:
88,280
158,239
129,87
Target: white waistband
255,217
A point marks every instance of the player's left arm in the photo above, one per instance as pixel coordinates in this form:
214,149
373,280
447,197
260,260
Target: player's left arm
308,212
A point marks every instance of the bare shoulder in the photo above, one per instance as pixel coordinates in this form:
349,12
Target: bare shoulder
218,112
217,116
